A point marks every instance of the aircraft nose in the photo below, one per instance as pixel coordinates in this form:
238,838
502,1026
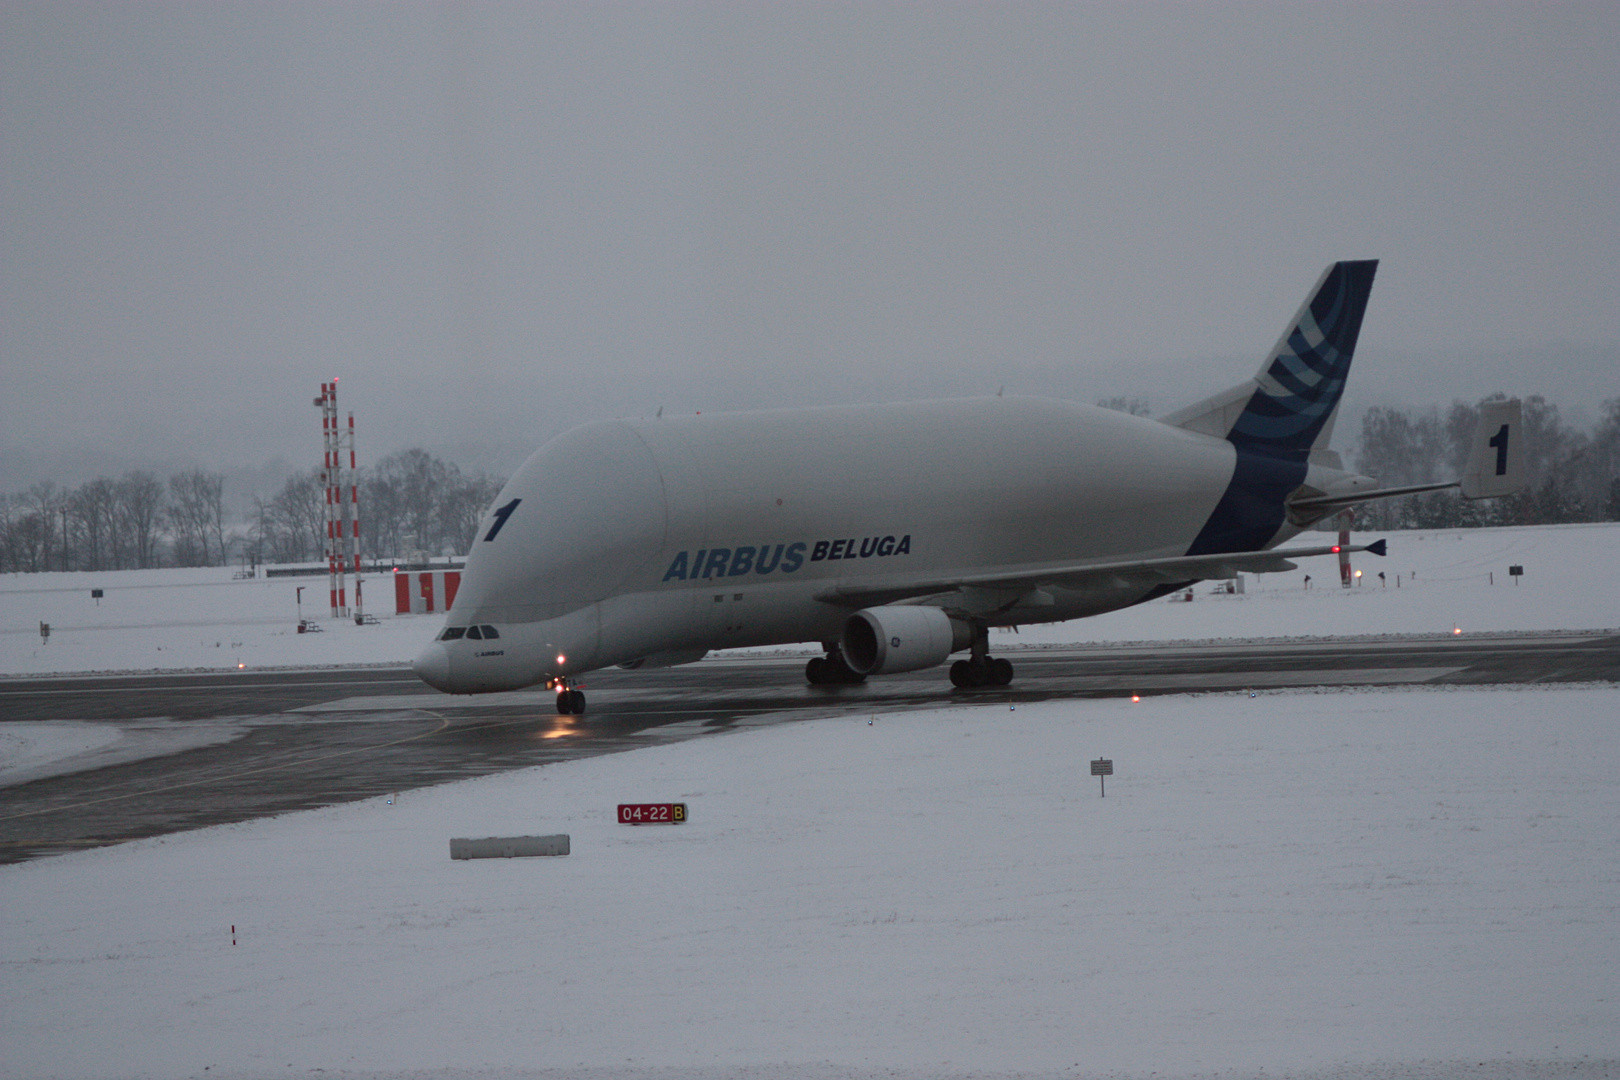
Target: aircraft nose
433,667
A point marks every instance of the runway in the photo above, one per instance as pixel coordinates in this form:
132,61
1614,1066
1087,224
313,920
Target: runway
207,749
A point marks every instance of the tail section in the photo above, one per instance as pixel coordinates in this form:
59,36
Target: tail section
1287,410
1283,417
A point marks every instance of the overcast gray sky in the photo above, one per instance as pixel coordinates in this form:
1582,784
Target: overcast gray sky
497,221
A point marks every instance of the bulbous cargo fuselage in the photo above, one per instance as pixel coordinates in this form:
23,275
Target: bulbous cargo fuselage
621,539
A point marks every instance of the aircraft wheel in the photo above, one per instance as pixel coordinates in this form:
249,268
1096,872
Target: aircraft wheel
565,701
1001,672
576,698
961,675
816,671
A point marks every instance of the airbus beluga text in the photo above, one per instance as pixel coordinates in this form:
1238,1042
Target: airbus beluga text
897,535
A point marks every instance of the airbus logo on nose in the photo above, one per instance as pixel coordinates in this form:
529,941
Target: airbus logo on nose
765,559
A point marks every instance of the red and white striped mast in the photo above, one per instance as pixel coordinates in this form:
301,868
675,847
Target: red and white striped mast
353,514
342,515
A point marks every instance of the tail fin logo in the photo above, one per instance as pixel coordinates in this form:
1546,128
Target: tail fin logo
1300,386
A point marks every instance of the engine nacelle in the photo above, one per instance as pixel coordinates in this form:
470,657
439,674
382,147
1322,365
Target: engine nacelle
883,640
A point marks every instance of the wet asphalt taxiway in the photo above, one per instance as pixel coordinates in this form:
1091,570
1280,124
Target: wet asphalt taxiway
204,749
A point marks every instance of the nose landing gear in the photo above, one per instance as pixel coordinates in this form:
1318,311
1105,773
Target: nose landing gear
982,669
569,700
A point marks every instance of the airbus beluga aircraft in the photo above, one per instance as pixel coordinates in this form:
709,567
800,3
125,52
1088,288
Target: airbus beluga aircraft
898,535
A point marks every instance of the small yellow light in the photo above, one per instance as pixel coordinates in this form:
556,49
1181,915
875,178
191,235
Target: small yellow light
1136,697
1456,629
1358,573
239,667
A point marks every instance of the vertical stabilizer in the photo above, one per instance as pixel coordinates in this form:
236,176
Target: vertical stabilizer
1288,408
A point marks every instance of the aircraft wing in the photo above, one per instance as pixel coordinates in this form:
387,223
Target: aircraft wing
1147,571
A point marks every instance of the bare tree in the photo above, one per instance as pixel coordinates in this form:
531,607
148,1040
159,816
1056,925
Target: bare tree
382,506
462,507
94,511
197,516
412,501
42,501
11,541
140,508
296,515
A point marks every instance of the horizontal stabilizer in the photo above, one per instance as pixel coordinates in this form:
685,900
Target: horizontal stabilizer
1376,547
1319,506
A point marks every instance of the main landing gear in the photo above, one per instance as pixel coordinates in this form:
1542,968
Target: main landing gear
982,669
832,670
569,700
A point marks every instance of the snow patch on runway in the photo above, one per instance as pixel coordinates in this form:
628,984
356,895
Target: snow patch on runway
34,750
28,748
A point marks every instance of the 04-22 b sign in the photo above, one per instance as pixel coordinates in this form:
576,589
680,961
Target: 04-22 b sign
661,813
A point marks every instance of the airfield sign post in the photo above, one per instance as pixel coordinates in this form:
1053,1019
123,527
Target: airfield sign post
1100,768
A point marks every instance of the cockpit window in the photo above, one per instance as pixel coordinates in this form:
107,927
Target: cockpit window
490,633
473,634
451,633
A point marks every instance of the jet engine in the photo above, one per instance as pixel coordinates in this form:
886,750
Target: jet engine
903,637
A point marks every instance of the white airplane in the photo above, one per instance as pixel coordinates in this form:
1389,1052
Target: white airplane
898,535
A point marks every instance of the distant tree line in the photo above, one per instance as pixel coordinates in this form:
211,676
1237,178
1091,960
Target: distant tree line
132,522
411,503
1572,475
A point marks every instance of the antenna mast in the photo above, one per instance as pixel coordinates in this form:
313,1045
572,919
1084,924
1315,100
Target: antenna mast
342,515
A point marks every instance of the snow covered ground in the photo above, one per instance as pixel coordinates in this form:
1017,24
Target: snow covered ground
1414,882
180,619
